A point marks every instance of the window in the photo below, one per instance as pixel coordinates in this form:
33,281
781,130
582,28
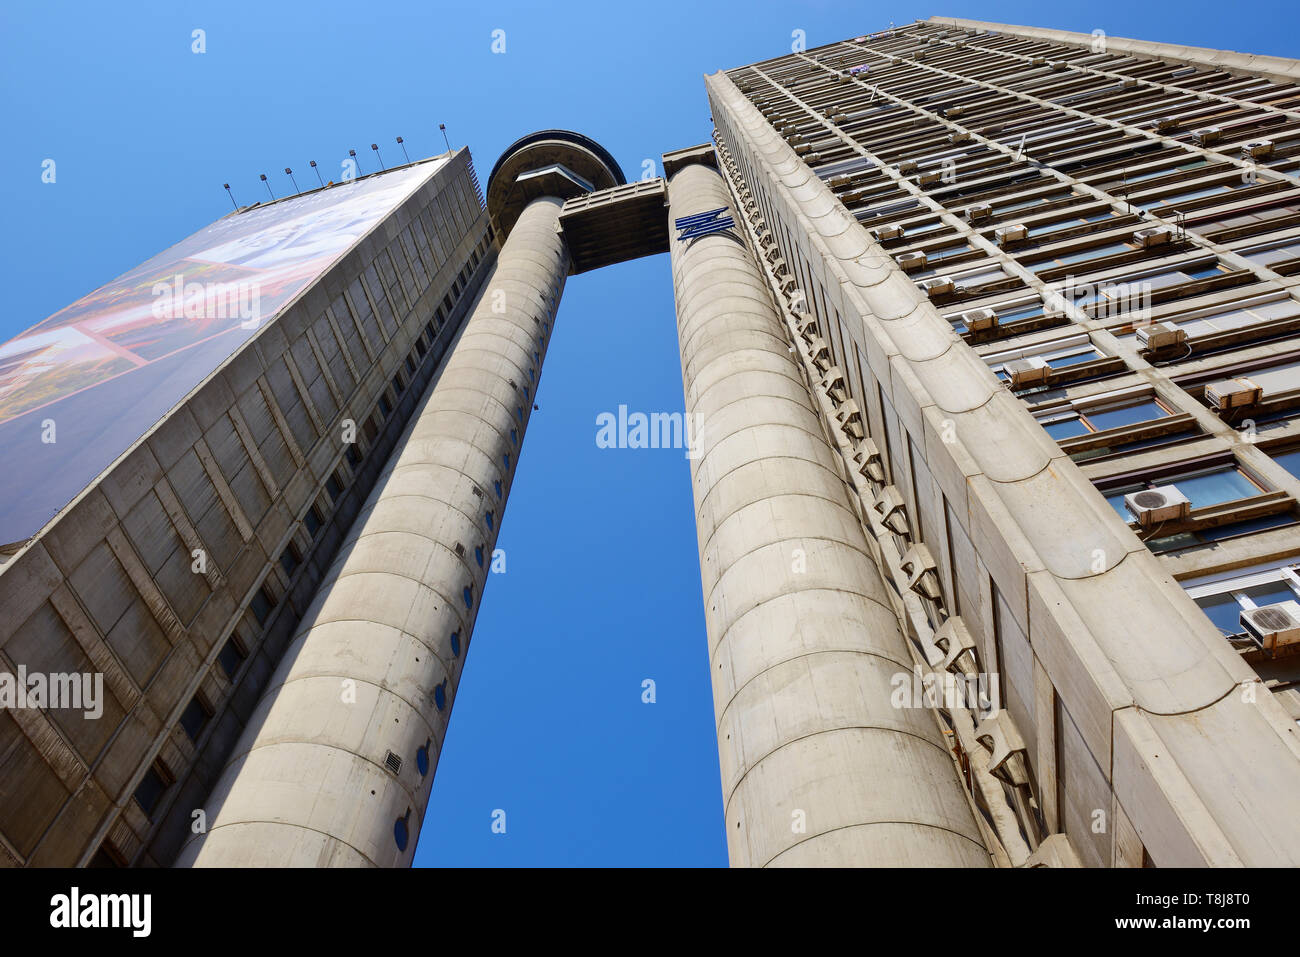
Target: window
1208,322
385,409
1073,256
290,559
1223,597
1289,459
353,455
1099,418
1057,353
1203,488
107,856
1274,253
262,605
152,787
230,657
312,520
334,487
194,717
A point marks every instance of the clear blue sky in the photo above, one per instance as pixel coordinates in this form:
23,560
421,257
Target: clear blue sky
602,588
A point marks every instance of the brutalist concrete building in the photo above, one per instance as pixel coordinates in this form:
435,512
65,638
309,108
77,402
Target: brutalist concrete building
992,335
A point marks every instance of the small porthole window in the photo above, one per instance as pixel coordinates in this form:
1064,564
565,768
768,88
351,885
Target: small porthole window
487,517
497,487
401,833
422,759
455,644
514,436
478,555
440,697
468,596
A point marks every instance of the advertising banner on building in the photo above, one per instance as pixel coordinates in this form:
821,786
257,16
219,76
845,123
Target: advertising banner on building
78,389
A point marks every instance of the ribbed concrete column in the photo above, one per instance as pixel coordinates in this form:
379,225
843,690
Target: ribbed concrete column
818,767
376,662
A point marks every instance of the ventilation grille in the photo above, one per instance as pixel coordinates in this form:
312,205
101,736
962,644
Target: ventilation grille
393,763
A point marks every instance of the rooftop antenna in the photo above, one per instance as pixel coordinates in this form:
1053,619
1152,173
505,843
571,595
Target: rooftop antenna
288,172
231,195
268,186
443,127
353,154
404,153
312,163
375,147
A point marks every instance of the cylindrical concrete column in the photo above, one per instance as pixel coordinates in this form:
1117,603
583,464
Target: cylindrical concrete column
818,766
371,675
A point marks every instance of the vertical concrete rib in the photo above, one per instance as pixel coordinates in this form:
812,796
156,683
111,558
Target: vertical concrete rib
818,767
375,665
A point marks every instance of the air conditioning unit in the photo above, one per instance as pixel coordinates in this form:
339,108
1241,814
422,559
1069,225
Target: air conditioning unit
937,286
1059,65
1160,335
884,233
1129,82
1273,626
1038,61
1155,236
1152,506
959,136
1257,148
954,111
839,118
1165,123
1013,233
906,166
837,182
928,177
1233,393
1029,371
978,212
911,261
1206,135
979,320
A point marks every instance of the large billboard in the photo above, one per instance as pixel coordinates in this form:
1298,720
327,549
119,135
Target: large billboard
78,389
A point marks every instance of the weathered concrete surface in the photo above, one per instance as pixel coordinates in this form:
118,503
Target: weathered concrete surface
818,767
374,666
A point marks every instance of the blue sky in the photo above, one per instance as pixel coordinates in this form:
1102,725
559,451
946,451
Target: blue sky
602,588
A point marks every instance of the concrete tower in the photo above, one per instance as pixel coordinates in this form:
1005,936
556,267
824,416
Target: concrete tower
337,763
818,766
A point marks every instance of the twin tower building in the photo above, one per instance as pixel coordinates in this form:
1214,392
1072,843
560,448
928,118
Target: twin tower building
993,339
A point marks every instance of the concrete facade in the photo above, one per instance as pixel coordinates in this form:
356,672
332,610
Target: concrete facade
336,765
250,470
1131,731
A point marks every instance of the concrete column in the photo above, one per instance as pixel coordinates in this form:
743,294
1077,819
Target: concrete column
818,767
374,667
